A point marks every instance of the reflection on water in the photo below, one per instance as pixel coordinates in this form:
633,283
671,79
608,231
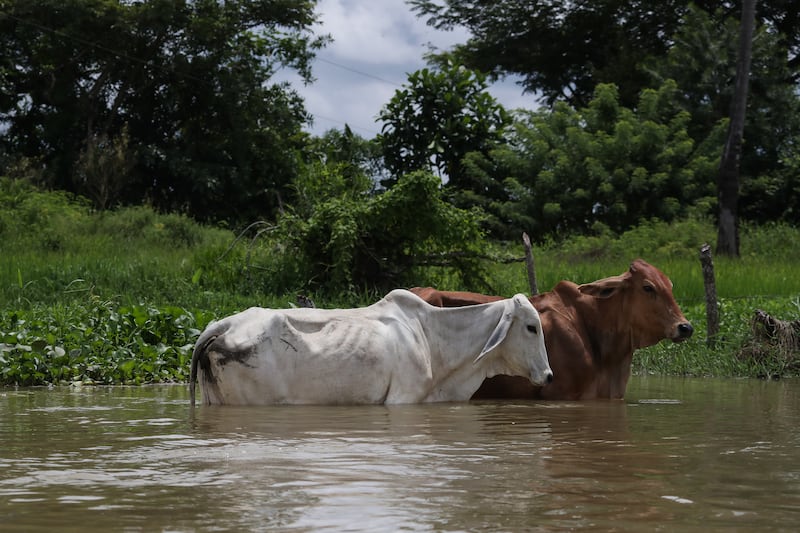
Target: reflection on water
686,454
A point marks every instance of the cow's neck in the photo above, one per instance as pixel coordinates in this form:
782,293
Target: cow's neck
453,352
613,345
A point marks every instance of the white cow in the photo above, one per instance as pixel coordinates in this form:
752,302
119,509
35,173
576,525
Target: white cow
398,350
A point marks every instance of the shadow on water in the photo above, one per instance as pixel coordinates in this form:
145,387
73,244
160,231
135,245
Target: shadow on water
688,454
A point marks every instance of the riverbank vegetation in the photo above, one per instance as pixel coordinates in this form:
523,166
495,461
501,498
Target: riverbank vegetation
120,296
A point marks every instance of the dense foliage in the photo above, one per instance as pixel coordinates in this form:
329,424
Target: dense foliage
701,63
437,119
604,167
562,50
99,342
169,102
174,105
341,237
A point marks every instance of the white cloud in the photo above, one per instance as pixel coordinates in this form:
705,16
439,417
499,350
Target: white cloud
369,32
376,44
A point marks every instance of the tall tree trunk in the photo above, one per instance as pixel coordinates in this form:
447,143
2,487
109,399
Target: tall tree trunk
728,176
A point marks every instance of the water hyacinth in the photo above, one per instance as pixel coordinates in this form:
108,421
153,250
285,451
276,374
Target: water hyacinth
101,344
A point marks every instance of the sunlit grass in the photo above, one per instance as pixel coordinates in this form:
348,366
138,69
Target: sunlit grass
769,266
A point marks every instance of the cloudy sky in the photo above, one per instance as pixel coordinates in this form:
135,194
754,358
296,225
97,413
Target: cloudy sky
376,44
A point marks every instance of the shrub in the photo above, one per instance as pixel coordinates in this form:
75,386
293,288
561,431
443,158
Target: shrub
38,219
349,239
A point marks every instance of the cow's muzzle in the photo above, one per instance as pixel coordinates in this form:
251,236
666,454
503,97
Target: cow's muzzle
547,377
685,331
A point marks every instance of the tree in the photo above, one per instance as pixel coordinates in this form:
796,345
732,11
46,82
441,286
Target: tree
438,118
103,167
562,50
190,83
356,156
703,61
637,45
728,177
604,167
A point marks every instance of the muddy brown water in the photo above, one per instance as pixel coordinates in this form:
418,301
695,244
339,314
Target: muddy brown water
676,454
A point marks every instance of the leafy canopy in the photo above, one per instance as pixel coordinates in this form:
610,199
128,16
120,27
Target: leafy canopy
439,117
184,87
702,61
562,50
605,166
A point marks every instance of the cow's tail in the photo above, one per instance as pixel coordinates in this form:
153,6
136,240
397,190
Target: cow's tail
207,337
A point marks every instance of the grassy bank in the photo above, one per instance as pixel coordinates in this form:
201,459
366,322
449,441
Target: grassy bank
766,277
119,297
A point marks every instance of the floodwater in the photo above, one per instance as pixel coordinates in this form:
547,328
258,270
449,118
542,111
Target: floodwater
675,455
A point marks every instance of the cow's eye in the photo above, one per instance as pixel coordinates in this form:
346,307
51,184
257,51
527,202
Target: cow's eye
532,329
649,288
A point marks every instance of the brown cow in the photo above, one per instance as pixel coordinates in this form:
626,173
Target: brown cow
590,331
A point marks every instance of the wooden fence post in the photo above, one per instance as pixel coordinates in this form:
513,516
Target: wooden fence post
712,307
529,263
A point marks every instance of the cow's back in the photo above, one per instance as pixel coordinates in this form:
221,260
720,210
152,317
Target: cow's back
269,356
452,298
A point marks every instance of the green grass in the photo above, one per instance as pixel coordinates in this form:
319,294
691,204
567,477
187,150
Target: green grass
728,358
119,297
769,266
766,277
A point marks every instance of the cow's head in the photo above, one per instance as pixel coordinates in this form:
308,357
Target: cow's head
645,304
519,336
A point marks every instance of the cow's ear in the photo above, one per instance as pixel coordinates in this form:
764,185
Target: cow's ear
604,288
497,336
